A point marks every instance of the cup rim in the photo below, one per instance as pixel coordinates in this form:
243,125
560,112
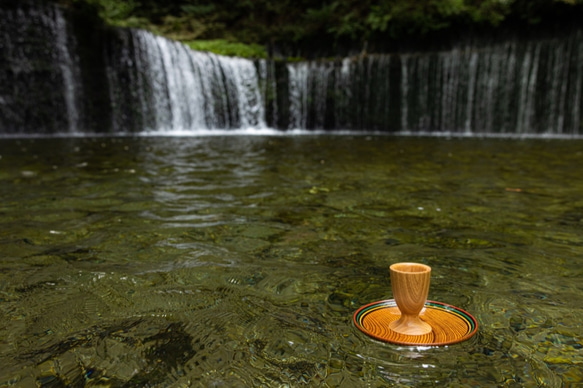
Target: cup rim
418,268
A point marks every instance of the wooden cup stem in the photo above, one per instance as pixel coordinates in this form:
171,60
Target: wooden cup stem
410,285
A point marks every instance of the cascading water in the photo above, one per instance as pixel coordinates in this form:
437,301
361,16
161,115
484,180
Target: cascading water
268,82
352,93
174,88
512,87
69,70
298,94
151,83
53,79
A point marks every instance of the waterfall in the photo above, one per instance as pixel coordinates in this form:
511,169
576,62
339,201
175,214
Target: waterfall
268,84
69,70
163,85
351,93
298,95
59,75
151,83
512,87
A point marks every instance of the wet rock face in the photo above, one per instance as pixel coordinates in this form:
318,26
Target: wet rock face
52,69
37,70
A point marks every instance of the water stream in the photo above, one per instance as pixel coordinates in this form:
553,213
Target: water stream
239,260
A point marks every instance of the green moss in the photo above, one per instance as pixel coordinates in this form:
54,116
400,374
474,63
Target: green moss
224,47
295,59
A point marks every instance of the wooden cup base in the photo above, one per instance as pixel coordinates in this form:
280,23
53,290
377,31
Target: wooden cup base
410,325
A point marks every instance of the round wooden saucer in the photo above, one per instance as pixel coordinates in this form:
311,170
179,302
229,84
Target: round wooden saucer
449,324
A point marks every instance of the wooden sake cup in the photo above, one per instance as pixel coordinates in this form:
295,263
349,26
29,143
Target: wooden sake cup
410,284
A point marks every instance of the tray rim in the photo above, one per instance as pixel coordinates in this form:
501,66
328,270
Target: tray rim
452,309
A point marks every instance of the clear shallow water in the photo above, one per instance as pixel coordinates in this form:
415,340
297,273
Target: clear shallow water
239,261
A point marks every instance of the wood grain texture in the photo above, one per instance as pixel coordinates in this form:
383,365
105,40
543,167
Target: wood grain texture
410,285
449,324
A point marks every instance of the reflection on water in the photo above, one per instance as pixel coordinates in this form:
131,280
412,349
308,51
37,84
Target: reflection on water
239,261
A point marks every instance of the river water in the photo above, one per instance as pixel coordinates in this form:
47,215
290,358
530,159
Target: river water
240,260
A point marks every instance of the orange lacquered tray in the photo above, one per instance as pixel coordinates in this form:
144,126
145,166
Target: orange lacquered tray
449,324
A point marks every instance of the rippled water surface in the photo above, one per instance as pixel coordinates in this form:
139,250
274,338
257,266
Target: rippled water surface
239,261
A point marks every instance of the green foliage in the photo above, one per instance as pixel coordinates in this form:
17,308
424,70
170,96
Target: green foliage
181,28
220,25
223,47
119,13
198,10
490,11
378,19
118,10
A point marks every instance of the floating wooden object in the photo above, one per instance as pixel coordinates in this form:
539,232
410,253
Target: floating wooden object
410,284
410,319
449,324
